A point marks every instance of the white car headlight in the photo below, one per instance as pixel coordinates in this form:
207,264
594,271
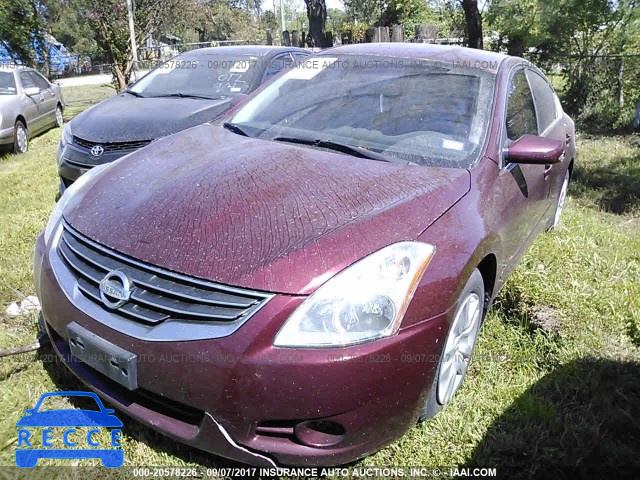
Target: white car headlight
56,214
366,301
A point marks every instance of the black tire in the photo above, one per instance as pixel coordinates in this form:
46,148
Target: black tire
59,117
474,286
20,137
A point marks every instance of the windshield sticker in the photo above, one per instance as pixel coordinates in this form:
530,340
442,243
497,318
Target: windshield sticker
241,66
453,145
310,68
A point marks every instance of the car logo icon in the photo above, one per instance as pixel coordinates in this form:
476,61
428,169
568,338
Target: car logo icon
115,289
69,420
97,150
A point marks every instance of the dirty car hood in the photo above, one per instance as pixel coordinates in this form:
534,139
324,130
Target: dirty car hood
126,118
258,214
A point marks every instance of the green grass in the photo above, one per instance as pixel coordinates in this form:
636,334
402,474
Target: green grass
555,378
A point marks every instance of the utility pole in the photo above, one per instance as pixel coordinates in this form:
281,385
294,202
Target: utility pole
132,34
282,15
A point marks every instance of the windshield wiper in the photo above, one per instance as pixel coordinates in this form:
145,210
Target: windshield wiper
232,127
183,95
135,94
353,150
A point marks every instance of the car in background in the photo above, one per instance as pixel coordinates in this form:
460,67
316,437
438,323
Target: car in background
29,105
320,261
191,88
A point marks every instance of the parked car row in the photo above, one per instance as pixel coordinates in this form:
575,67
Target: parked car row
318,261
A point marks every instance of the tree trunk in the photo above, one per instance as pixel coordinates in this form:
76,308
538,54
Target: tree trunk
474,23
120,79
317,14
515,47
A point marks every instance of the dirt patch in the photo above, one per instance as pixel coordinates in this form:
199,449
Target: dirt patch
544,318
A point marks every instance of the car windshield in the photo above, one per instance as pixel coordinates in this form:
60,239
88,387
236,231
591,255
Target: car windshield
420,111
208,76
7,84
54,402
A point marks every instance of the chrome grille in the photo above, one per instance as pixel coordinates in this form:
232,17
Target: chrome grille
157,295
112,147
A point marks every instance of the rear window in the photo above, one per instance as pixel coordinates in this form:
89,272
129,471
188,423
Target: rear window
545,100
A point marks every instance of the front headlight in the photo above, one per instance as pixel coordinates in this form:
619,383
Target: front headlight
364,302
56,214
67,136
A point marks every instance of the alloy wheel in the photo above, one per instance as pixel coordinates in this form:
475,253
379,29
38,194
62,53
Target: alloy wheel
459,347
22,140
59,118
561,199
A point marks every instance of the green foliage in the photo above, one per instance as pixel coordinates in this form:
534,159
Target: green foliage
577,39
336,19
22,21
364,11
407,13
449,17
70,28
356,32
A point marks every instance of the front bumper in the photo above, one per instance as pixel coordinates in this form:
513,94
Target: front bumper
242,398
74,161
7,135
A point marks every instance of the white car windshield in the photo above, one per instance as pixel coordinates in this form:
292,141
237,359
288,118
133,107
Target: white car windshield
402,109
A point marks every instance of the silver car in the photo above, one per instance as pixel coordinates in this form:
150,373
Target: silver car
29,104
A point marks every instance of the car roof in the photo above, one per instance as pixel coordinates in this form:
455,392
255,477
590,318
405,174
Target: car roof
461,56
257,50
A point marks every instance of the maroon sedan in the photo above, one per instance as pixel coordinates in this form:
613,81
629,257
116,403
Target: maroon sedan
300,284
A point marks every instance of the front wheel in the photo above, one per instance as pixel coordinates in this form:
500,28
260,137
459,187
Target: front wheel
458,346
561,199
20,138
59,117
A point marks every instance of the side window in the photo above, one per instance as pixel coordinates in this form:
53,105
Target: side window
27,80
41,82
521,113
277,64
300,57
545,100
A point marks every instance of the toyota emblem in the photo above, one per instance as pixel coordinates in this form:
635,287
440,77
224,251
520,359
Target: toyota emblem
97,150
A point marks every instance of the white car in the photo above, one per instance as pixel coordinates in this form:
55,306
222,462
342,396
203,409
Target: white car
29,104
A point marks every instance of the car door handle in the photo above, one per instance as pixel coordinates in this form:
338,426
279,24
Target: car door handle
568,139
53,94
547,171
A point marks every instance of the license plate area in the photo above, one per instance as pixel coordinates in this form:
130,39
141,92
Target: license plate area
105,357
